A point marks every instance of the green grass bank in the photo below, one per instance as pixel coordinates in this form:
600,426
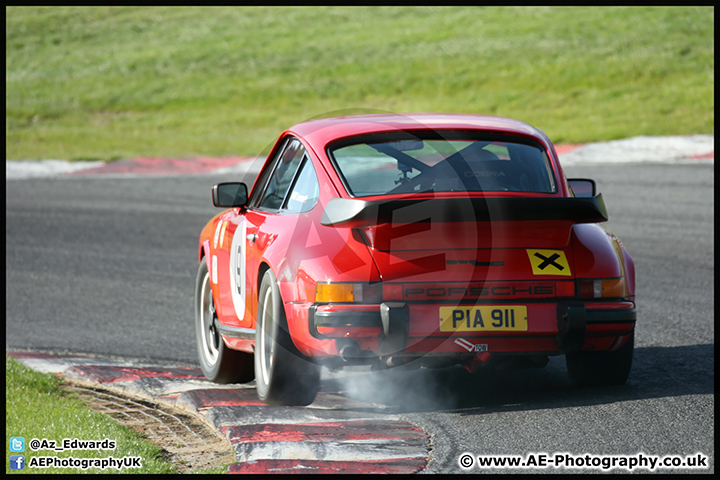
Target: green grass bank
35,407
117,82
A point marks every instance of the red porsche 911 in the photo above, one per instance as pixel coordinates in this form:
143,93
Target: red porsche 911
422,239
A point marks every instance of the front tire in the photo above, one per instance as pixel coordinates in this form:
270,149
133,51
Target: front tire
283,375
219,363
601,368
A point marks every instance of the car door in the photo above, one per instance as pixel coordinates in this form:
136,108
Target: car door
251,231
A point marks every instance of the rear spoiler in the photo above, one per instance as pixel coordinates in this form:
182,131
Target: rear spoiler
355,213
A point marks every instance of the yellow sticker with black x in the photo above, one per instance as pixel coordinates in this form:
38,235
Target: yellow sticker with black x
549,262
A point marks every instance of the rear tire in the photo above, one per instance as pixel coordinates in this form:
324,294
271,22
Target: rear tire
283,375
601,368
219,363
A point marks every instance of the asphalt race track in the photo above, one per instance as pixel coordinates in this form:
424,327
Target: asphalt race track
107,266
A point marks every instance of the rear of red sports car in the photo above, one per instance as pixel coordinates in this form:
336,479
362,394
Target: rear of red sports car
482,253
418,239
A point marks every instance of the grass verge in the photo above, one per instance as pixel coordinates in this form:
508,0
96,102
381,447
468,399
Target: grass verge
36,408
119,82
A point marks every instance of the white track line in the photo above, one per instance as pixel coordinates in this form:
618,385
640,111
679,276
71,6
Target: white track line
645,149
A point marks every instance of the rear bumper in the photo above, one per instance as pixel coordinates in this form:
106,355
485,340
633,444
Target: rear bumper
397,328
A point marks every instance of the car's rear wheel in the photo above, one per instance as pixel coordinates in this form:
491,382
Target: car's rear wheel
283,375
601,368
219,363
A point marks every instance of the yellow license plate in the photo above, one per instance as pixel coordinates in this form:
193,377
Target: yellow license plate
489,318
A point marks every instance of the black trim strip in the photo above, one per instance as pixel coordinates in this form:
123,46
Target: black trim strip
608,335
611,316
347,319
236,332
472,335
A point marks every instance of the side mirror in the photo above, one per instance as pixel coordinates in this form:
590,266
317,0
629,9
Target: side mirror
229,195
583,187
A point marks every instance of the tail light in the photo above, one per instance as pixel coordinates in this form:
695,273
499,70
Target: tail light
348,293
601,288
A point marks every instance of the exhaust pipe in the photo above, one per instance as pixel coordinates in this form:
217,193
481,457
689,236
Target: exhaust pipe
350,352
392,362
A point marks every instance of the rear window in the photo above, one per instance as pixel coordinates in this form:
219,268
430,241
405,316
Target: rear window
414,164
